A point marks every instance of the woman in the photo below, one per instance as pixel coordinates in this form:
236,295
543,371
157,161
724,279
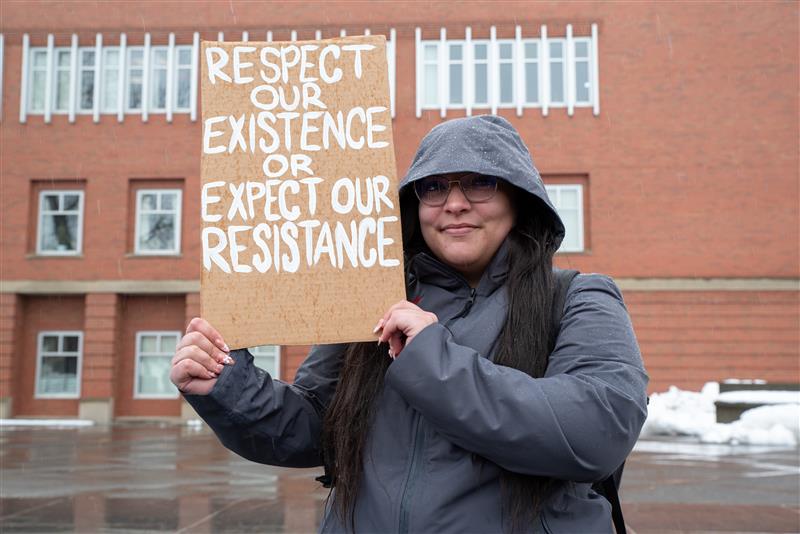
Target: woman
470,424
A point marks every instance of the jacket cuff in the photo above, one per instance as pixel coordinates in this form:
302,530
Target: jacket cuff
224,395
428,344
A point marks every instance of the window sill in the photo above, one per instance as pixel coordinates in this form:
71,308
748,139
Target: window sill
134,256
35,256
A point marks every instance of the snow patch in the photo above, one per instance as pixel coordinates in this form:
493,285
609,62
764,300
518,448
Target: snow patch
689,413
59,423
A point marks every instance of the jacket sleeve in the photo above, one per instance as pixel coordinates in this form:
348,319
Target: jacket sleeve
578,422
267,420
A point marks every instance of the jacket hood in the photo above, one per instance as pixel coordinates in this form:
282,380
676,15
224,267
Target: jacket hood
486,144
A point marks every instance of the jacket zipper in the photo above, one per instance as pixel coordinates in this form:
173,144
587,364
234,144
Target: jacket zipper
412,475
419,441
470,302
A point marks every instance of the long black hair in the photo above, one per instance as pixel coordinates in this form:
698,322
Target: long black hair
523,345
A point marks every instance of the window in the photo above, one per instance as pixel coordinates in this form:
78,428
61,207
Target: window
557,72
61,93
134,78
531,72
268,358
568,201
430,68
60,223
154,352
506,72
183,78
86,68
582,71
58,364
158,78
38,80
110,80
158,221
492,69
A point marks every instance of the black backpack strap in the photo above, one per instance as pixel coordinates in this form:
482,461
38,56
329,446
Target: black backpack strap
608,488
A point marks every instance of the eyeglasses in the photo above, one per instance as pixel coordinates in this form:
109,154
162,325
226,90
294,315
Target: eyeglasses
434,190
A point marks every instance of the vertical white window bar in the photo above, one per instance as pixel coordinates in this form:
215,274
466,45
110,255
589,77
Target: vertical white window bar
544,71
146,77
318,35
98,69
518,63
245,36
418,74
392,68
23,89
73,78
48,84
220,36
442,73
469,71
342,33
123,60
494,75
595,73
570,66
269,36
293,35
193,86
169,101
366,31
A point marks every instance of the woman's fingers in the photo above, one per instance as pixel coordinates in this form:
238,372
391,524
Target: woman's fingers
192,378
402,325
198,355
403,304
200,340
198,324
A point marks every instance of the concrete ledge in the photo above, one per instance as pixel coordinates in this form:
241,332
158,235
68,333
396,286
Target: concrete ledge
143,287
101,411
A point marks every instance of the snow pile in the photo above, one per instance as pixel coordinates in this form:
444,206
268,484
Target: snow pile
58,423
689,413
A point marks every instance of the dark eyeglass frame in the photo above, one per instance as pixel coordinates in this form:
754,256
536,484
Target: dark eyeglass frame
465,183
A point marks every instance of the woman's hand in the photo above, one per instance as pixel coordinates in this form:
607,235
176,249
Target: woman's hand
401,323
199,358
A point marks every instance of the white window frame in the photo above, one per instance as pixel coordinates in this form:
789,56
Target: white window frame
32,68
59,353
524,84
178,214
519,61
259,351
82,69
129,51
57,51
425,63
564,66
108,72
554,192
500,62
155,50
39,221
588,60
158,334
474,77
177,68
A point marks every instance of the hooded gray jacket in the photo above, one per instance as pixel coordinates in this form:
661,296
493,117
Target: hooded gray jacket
448,419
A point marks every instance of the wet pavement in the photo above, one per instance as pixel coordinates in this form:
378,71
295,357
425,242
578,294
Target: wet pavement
139,478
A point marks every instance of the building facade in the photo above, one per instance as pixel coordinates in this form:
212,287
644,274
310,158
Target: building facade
666,134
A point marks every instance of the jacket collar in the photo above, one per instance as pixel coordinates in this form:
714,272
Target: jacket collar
426,268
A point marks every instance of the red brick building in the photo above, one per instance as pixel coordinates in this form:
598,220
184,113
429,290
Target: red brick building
668,134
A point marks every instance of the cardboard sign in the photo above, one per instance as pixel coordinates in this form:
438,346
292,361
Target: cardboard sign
301,220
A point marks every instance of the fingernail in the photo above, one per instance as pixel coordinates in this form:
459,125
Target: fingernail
228,360
378,326
225,347
219,368
391,354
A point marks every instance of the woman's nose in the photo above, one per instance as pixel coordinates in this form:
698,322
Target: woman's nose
456,200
